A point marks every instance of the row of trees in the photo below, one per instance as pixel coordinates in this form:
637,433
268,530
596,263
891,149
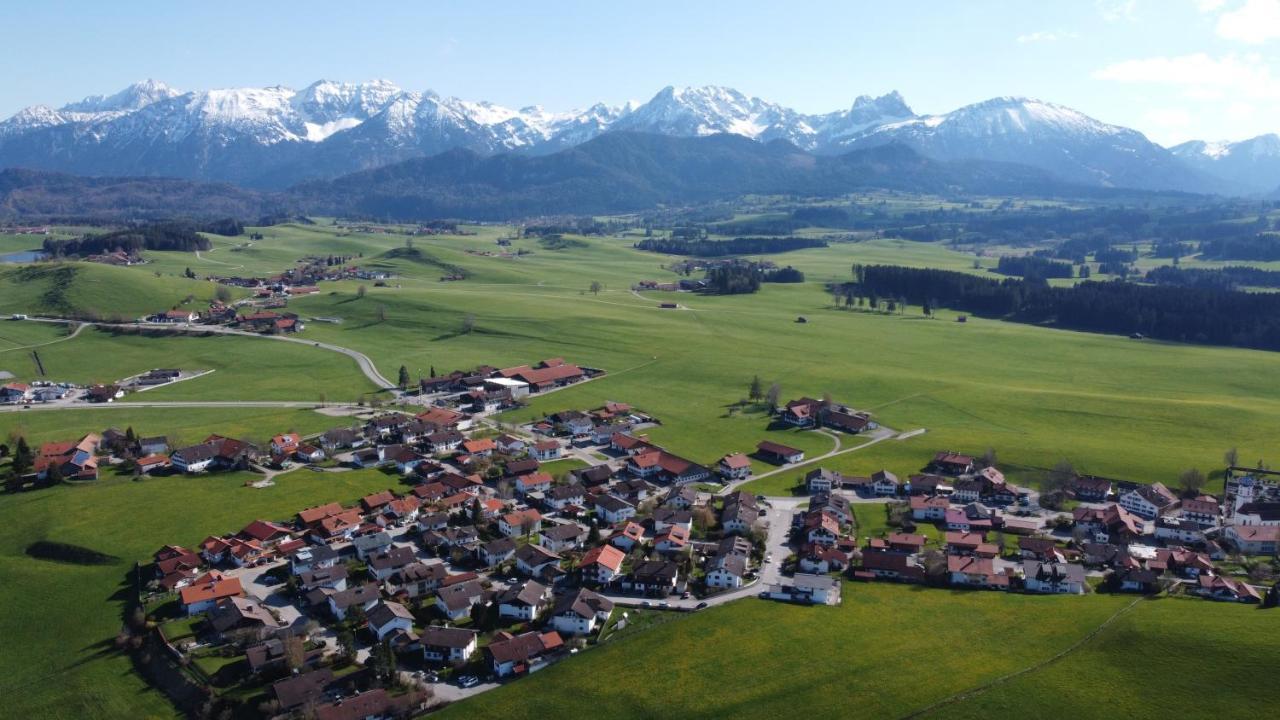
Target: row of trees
725,248
1183,314
1030,266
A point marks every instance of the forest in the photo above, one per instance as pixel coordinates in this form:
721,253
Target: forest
1204,315
160,236
725,248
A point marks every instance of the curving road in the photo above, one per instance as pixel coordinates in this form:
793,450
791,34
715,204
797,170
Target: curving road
362,361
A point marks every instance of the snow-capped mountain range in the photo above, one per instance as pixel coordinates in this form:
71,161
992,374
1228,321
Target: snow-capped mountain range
276,136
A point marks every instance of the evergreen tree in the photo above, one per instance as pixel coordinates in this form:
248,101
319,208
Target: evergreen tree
403,378
22,458
755,392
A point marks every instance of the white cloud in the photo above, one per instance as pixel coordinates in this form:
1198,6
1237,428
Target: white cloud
1200,76
1253,23
1116,10
1209,6
1043,36
1167,118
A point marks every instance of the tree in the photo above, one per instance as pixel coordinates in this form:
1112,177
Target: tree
755,392
1191,481
382,313
362,291
596,287
468,323
347,644
527,525
295,654
989,457
1231,457
477,513
22,458
403,377
935,566
383,660
774,395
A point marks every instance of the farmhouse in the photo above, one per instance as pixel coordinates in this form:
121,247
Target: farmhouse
778,453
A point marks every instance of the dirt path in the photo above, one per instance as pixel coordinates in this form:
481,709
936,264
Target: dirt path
64,338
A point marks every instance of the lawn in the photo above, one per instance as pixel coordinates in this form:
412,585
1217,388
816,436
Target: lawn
891,650
60,619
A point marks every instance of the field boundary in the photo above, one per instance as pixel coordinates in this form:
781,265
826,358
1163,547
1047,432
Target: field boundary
980,689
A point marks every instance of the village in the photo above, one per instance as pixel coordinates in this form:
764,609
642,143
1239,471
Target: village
481,562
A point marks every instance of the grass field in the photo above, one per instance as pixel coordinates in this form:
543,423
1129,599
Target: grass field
245,368
59,619
891,650
180,425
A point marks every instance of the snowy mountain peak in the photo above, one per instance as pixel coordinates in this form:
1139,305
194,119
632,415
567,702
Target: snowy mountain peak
890,104
134,97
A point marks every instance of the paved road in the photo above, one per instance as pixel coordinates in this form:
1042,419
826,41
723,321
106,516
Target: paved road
160,404
878,435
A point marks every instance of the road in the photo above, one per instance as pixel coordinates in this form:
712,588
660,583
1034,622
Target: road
362,361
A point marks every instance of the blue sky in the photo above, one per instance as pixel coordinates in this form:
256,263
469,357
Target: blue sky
1174,69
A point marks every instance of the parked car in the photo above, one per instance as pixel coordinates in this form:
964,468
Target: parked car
468,681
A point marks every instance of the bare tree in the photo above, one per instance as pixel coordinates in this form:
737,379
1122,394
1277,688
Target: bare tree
1231,457
468,323
774,395
596,287
362,291
1191,481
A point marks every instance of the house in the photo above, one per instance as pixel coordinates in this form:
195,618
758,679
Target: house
740,514
417,579
562,537
483,447
523,602
536,561
1137,580
1090,488
601,564
821,480
270,655
448,644
778,453
889,565
909,543
735,466
974,517
680,497
613,509
445,441
515,655
628,536
1111,523
1039,548
885,483
312,557
533,482
563,496
928,509
808,589
361,596
1053,577
544,450
821,528
726,571
372,544
1179,530
205,591
966,543
496,552
950,463
385,564
1203,510
332,578
673,540
285,444
509,445
520,522
341,439
1254,539
580,613
821,559
305,689
103,393
1220,587
1149,501
593,476
652,577
971,571
667,518
157,445
387,618
545,375
15,392
456,601
216,452
835,505
1257,513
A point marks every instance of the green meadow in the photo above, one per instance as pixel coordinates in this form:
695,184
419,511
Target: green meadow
889,651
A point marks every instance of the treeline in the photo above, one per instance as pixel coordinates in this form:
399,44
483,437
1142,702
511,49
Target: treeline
1227,278
161,236
739,278
1030,266
1262,247
1210,316
723,248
